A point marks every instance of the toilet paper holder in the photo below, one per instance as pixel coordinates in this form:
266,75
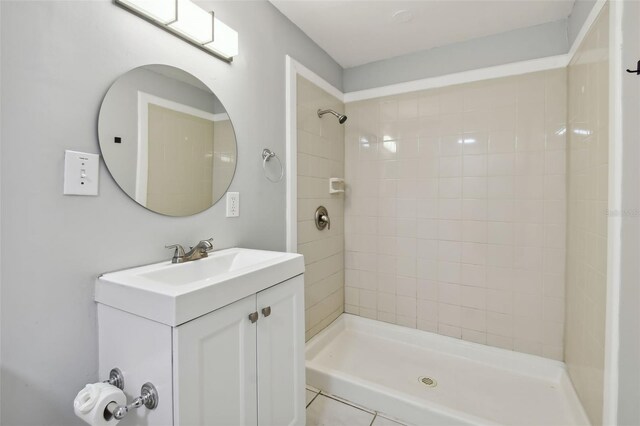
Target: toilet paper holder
116,378
148,397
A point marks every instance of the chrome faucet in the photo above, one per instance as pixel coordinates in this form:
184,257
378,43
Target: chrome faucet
201,250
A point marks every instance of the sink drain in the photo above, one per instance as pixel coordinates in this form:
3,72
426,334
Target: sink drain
428,381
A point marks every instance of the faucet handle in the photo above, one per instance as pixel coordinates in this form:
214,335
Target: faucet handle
178,254
208,244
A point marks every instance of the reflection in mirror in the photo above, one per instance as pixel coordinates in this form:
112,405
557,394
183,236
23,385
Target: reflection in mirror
167,140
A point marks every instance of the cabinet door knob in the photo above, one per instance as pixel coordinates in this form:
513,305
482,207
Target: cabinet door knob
266,311
253,317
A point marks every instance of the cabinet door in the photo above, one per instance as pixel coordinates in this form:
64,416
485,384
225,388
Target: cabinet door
281,355
215,368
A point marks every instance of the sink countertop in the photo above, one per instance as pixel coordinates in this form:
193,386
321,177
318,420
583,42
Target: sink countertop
173,294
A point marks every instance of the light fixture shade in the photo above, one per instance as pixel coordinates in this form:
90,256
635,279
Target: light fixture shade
163,11
186,20
193,22
225,40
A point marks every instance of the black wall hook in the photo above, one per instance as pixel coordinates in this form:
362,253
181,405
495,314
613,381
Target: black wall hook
636,71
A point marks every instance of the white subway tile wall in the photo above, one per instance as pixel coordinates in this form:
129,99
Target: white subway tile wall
588,139
320,157
455,211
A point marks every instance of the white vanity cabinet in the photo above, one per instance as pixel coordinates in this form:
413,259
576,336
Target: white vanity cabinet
215,372
240,363
229,370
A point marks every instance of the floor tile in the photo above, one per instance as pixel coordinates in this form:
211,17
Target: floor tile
312,389
383,421
325,411
344,401
309,395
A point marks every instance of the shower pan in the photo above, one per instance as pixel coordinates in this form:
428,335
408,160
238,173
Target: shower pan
423,378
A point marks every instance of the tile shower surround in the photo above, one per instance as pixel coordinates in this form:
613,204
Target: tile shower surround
588,112
455,212
320,156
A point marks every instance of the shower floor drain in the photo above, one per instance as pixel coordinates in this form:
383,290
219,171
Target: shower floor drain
428,381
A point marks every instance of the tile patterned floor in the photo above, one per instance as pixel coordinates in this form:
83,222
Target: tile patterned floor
327,410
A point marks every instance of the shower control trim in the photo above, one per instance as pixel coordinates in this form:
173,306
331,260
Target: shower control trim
322,218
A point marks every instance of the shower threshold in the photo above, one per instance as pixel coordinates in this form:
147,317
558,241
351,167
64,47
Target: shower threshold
423,378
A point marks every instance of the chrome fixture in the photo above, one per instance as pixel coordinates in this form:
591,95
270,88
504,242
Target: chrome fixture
267,155
116,378
201,250
428,381
148,397
188,21
322,218
341,117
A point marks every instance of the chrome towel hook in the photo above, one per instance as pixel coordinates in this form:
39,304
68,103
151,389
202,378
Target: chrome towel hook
267,155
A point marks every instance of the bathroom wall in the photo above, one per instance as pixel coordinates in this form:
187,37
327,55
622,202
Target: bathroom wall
455,213
320,157
58,60
588,149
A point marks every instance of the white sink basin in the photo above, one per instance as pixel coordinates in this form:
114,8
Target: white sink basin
176,293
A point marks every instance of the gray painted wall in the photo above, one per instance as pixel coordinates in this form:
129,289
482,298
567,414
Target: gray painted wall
58,60
579,14
629,350
554,38
517,45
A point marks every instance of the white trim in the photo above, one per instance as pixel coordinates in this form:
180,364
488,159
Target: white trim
506,70
222,116
315,79
614,225
291,154
176,106
294,68
142,169
586,26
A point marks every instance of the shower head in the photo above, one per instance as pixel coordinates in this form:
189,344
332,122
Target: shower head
341,117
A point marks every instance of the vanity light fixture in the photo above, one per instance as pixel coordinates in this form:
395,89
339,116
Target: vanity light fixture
190,22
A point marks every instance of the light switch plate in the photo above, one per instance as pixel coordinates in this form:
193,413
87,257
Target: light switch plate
233,204
81,171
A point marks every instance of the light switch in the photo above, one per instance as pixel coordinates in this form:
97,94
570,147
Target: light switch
233,204
81,171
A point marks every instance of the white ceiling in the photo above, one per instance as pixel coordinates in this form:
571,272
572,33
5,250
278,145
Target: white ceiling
356,32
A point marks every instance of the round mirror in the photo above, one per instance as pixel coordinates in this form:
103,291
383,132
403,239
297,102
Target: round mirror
167,140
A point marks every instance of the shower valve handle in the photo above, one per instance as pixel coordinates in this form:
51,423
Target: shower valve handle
325,218
322,218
